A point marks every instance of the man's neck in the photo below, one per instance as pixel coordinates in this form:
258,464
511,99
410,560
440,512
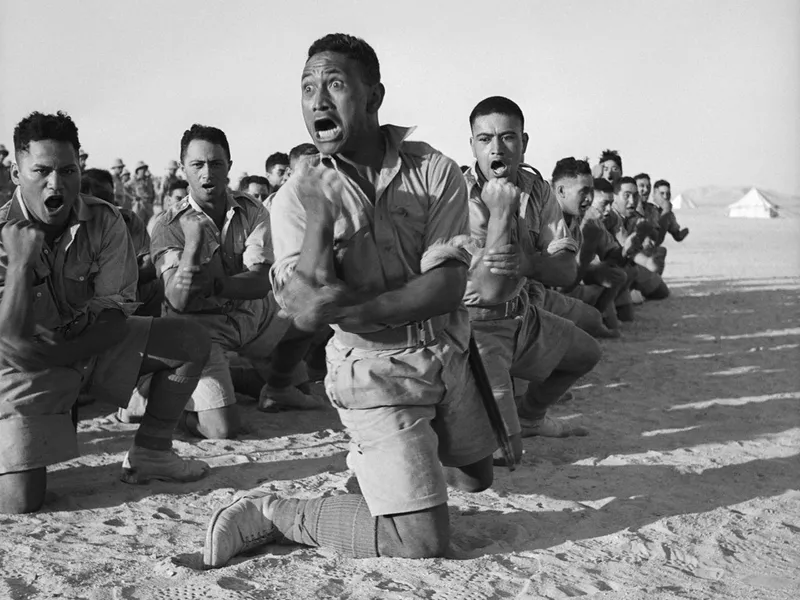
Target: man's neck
215,209
370,150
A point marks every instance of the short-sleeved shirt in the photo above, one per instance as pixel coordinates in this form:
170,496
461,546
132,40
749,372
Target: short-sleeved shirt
539,227
90,268
241,244
419,220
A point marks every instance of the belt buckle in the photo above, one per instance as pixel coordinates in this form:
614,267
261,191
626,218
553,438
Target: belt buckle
511,307
421,333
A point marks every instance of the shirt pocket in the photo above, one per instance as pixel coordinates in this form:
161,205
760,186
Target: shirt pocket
45,310
79,282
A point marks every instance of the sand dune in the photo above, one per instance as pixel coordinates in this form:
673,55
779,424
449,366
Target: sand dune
687,487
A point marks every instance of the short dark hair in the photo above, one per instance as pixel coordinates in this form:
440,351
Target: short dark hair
178,184
661,182
278,158
609,154
353,48
621,181
304,149
208,134
570,167
38,126
496,105
246,181
603,185
642,176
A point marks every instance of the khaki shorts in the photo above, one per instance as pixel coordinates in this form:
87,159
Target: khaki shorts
252,332
572,309
35,423
408,412
527,348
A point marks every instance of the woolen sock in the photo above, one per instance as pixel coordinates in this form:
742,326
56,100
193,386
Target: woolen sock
169,393
342,523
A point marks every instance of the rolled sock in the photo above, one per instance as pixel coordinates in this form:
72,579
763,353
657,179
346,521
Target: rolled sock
169,393
342,523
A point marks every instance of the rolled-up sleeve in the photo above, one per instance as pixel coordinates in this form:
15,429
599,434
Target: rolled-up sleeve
118,272
448,225
166,245
288,227
258,245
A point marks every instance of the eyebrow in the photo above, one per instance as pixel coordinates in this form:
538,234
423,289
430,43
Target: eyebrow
326,71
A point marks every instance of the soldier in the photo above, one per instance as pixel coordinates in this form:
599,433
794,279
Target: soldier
213,253
6,184
630,228
67,289
170,177
83,156
371,240
277,168
510,242
669,223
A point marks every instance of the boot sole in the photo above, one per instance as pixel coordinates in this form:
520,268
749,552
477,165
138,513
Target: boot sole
133,477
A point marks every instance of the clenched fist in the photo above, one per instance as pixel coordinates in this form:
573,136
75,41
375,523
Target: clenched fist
500,195
22,243
320,191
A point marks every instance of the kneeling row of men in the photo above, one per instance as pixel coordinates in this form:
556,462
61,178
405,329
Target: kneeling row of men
381,239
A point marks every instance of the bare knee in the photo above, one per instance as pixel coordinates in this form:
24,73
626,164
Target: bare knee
215,424
421,534
22,491
583,355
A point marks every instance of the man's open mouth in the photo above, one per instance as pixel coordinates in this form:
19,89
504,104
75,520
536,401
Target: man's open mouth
499,168
326,130
55,202
208,186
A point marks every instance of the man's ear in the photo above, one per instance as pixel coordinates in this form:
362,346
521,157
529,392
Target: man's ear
375,100
524,142
15,173
560,190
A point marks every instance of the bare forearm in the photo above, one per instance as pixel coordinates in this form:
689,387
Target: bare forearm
316,255
493,288
179,297
16,314
435,293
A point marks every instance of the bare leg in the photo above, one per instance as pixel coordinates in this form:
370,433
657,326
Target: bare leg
22,491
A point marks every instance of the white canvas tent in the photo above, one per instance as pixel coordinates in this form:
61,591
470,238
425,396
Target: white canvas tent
681,202
753,205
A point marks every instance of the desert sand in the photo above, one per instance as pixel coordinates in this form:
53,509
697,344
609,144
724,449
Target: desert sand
687,487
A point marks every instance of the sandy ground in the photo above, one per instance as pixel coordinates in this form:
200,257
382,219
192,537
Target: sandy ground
687,487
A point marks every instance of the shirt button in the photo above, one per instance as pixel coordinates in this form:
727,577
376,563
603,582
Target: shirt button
38,294
81,278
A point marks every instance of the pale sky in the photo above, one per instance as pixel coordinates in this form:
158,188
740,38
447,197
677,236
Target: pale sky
697,92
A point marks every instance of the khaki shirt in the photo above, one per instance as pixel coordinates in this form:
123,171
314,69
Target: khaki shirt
91,267
243,243
418,222
539,227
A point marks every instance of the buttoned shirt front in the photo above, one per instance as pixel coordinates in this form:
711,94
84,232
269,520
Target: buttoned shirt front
91,267
241,244
419,220
538,227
